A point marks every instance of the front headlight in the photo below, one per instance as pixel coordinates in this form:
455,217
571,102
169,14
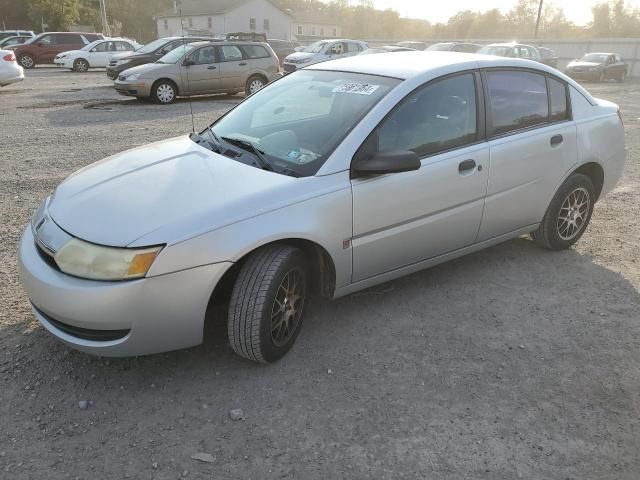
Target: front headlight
95,262
132,77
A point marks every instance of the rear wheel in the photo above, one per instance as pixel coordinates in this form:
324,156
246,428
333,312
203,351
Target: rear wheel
164,92
568,214
27,61
267,302
255,84
80,65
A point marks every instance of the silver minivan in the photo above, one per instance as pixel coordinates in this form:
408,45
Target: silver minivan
202,68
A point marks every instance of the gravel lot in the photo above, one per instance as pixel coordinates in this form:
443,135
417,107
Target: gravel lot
510,363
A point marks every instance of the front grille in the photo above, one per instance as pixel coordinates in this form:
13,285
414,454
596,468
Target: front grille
85,333
48,259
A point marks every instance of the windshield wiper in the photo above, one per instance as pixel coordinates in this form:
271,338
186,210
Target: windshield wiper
251,148
199,140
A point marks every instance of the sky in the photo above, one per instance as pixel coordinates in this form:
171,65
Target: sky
577,11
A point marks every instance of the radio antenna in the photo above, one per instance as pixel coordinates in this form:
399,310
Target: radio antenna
184,44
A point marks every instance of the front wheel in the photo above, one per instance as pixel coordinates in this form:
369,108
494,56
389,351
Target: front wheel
568,214
254,84
267,302
80,65
164,92
27,61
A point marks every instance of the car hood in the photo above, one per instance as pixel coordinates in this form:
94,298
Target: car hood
120,56
166,192
583,64
147,68
300,56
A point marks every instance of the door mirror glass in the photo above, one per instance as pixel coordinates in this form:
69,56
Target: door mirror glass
394,161
188,62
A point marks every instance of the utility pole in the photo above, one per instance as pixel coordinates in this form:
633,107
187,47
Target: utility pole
535,35
103,15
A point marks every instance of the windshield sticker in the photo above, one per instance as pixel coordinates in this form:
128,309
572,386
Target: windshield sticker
357,88
293,154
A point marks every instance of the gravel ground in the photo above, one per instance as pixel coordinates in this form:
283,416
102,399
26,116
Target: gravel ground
510,363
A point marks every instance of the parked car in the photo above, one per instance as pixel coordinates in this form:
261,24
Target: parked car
44,47
202,68
386,49
13,42
283,48
97,54
598,67
513,50
413,45
10,71
321,51
338,177
16,33
548,57
454,47
150,53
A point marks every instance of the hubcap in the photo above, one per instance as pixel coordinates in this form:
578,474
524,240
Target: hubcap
287,307
27,61
82,66
165,93
255,86
573,214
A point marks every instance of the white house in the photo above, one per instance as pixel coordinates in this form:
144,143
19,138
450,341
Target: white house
218,17
314,26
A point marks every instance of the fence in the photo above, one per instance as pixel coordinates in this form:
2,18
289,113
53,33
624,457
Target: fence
568,49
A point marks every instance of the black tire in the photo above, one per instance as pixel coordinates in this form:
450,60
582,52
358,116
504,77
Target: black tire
556,233
254,84
81,65
160,92
261,307
27,61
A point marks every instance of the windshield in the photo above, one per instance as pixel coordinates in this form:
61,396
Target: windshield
499,50
439,47
315,47
86,48
298,121
176,54
153,46
595,58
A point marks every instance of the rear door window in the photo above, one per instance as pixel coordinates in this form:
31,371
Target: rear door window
558,100
68,39
255,51
517,100
230,53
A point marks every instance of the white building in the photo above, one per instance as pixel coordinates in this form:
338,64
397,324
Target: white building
314,26
218,17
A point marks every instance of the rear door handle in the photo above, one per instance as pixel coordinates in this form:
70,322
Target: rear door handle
211,67
466,166
556,140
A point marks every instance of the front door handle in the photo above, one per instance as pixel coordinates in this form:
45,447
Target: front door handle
242,64
466,166
211,67
556,140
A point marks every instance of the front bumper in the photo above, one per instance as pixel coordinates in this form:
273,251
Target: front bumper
137,88
119,319
589,75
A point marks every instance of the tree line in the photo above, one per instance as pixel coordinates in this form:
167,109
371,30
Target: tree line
358,18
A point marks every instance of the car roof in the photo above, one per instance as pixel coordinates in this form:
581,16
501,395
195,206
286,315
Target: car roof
510,44
224,42
410,65
600,53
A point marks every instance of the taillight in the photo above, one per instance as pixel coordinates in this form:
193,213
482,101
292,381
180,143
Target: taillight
9,58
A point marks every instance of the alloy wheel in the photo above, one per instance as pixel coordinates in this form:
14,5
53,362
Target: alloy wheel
165,93
256,85
287,307
573,213
26,61
82,66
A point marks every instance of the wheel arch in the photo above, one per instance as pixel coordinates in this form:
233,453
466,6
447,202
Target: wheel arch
321,265
166,79
595,172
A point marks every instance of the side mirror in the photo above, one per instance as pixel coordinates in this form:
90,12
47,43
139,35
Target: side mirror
188,62
381,163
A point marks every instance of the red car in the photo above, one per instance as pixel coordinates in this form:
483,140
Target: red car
44,47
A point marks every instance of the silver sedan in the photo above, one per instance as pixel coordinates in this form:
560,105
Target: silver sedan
335,178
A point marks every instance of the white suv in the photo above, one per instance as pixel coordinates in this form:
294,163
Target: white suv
321,51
